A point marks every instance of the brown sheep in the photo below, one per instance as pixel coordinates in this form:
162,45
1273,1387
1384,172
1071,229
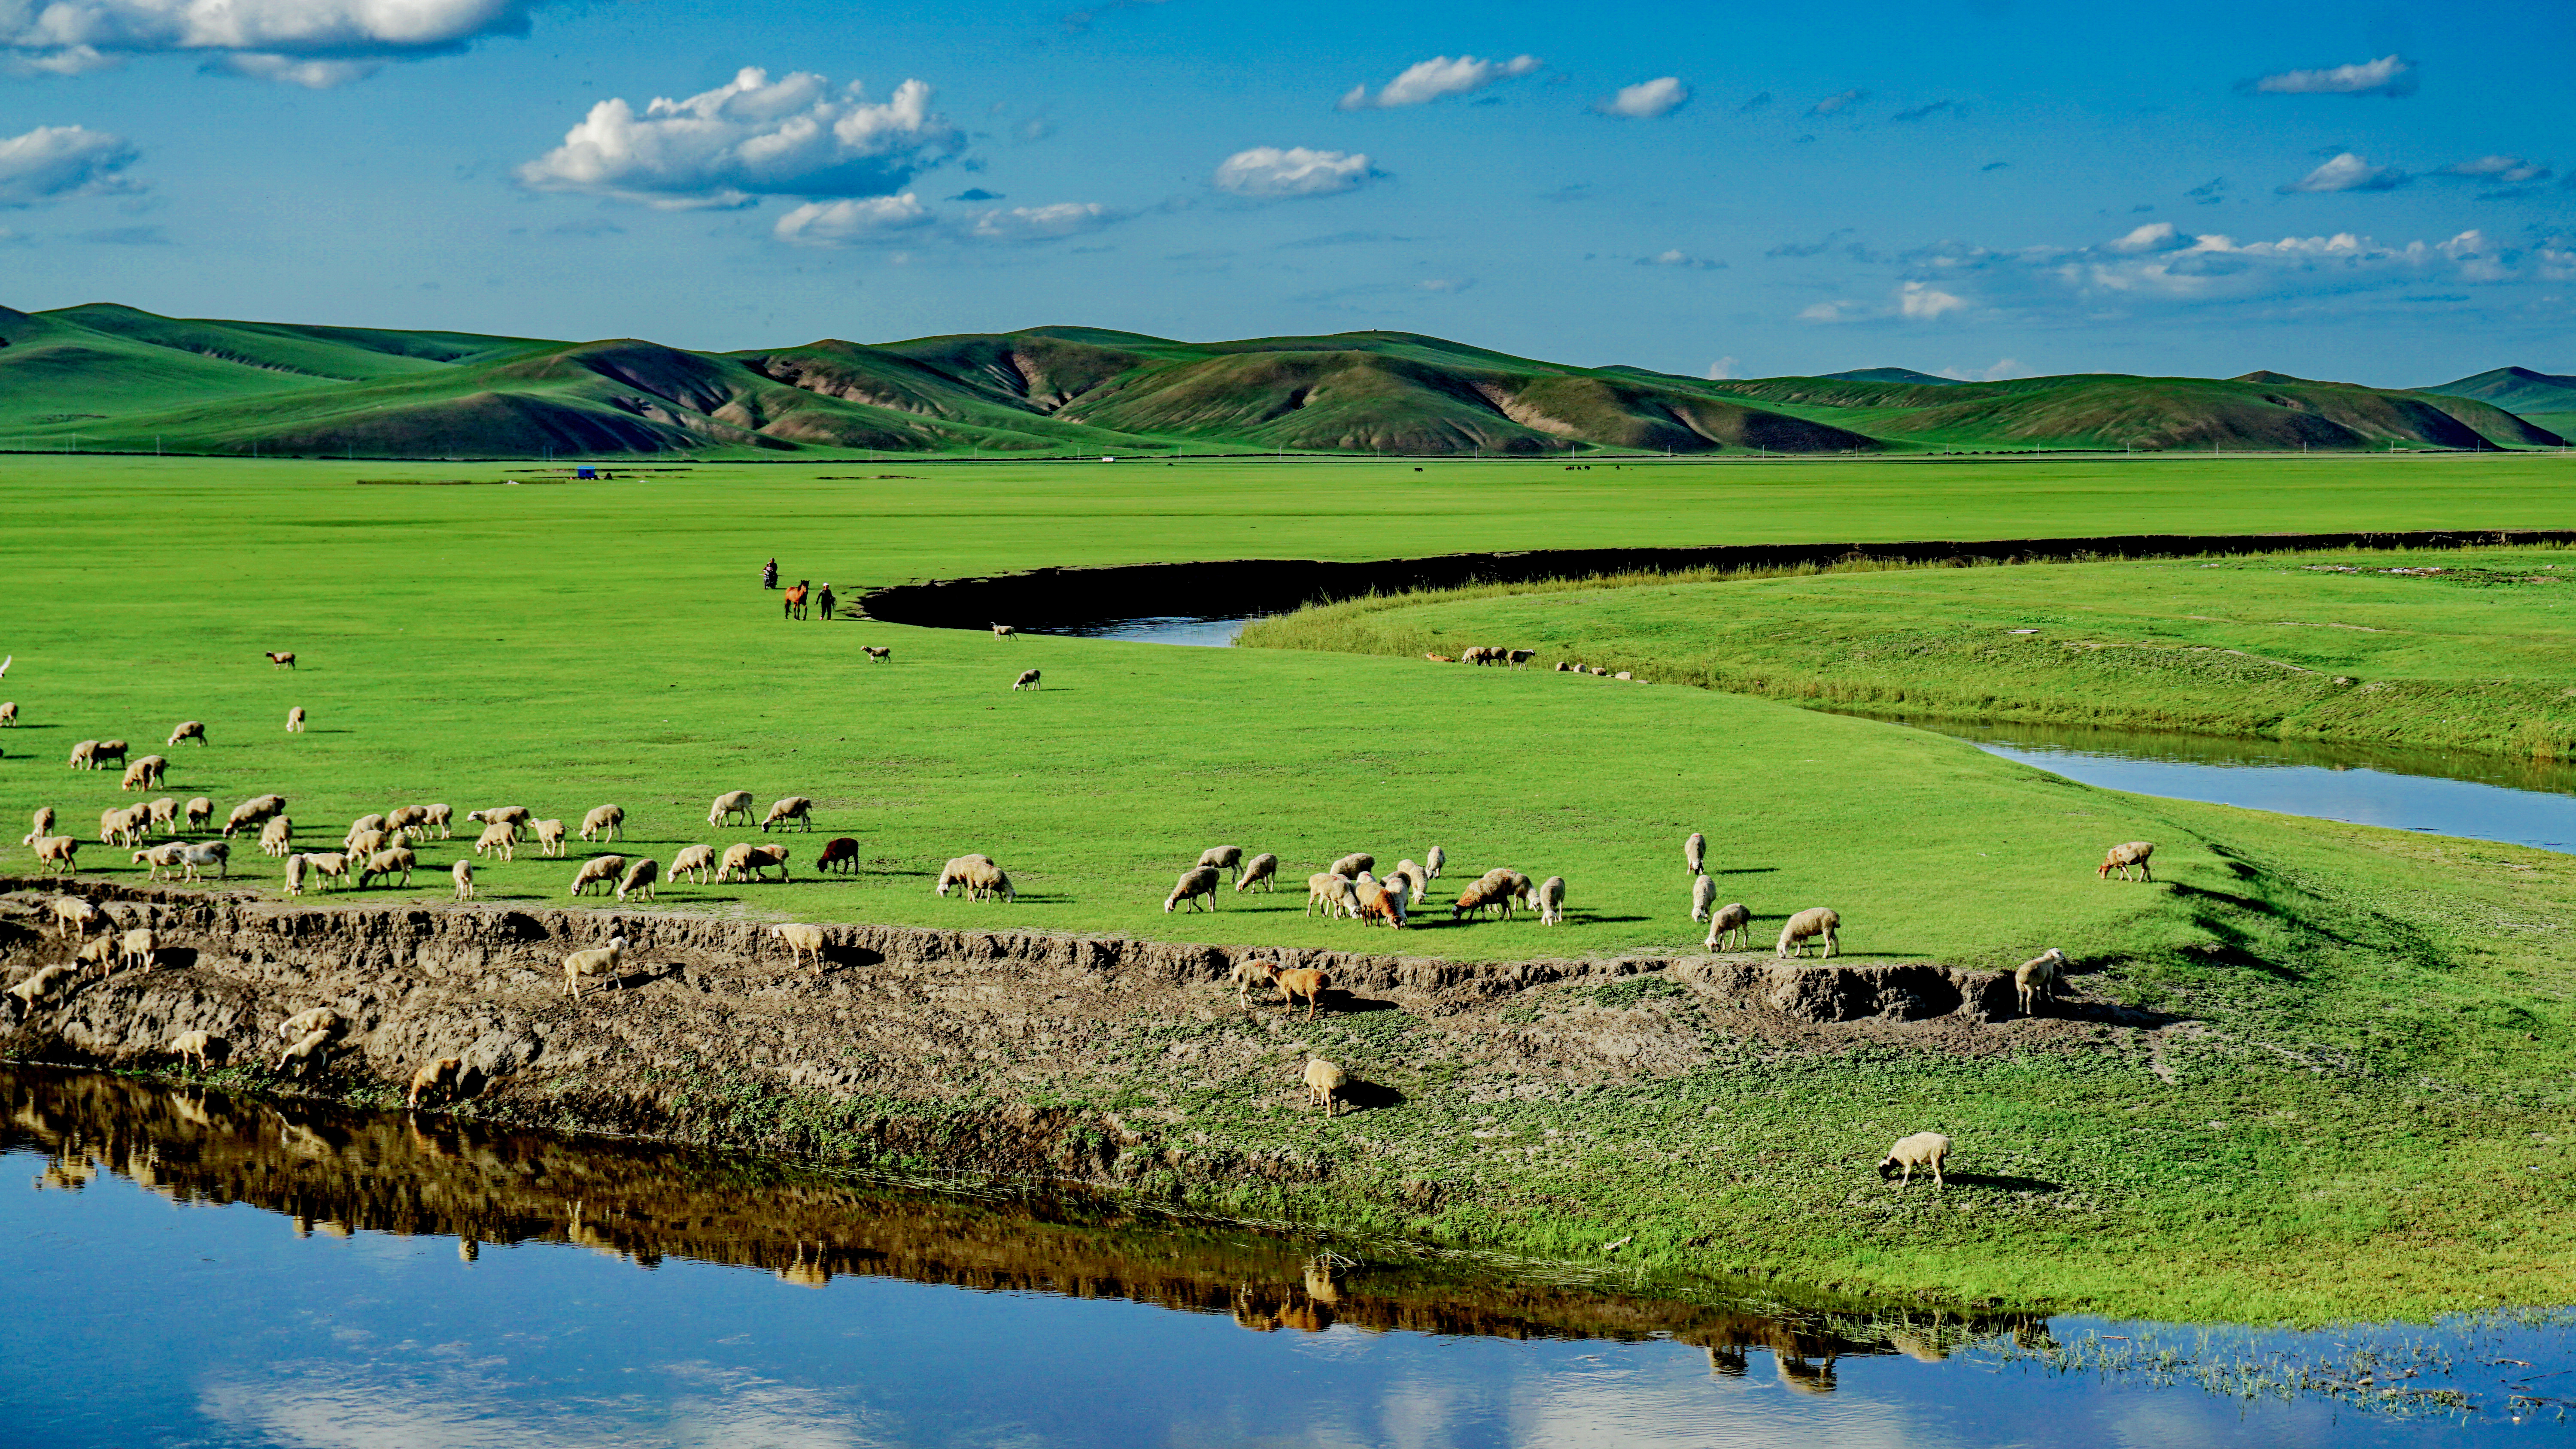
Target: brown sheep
45,979
282,661
99,955
798,808
2122,857
877,653
599,870
192,730
446,1072
1324,1085
1305,981
1483,895
1195,885
840,851
255,811
107,750
144,774
359,844
311,1019
310,1051
409,822
1380,901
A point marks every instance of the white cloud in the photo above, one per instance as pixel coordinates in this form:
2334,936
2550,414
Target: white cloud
1829,312
1429,80
1444,284
1922,302
2498,168
313,75
51,163
1040,223
2347,172
1676,257
1722,370
2003,368
1647,99
2153,237
747,139
838,223
1269,172
67,37
1836,104
2217,267
2390,75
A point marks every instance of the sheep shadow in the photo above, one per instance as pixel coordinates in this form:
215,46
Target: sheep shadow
1999,1182
840,957
2108,1013
1369,1096
1749,870
1344,1003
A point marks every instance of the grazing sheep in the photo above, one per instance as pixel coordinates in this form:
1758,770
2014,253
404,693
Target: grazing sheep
158,859
195,1046
295,875
463,874
282,661
1324,1084
43,819
2036,979
1923,1149
8,714
1308,982
599,870
256,811
329,864
200,813
877,653
801,942
107,750
84,755
1551,901
1520,658
192,730
277,837
977,876
728,805
795,807
195,858
841,851
1565,666
57,850
295,720
1411,877
748,861
1224,857
600,961
408,822
1600,673
550,836
1353,865
437,817
144,773
1004,631
1730,921
1028,680
1695,854
1703,896
360,844
1249,974
518,815
603,822
1812,922
447,1072
386,862
369,821
1623,674
1483,895
311,1019
1261,868
640,879
162,815
310,1051
1198,884
2122,857
502,840
698,861
35,987
122,827
1435,862
73,916
1333,891
1381,901
138,947
99,954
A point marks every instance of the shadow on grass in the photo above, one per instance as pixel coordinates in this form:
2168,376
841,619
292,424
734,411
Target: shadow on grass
1370,1096
1999,1182
1749,870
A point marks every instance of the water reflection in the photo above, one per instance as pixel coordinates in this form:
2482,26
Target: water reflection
1214,633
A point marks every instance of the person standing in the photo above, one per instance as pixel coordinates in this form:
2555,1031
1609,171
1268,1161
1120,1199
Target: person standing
769,575
823,599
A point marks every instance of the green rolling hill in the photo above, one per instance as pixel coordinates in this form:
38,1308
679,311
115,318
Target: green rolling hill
107,377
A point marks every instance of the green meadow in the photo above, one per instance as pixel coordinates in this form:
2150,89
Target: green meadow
2374,1123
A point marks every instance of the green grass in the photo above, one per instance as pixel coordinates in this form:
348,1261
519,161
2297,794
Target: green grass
2391,1038
2337,646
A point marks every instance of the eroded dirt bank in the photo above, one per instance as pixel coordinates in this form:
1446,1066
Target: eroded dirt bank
979,1052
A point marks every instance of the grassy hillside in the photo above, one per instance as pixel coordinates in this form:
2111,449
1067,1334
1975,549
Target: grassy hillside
2516,389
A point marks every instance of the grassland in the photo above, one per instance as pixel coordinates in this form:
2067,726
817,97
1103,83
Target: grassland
2375,1125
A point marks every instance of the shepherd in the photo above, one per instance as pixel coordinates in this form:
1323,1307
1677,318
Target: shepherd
794,607
769,575
823,600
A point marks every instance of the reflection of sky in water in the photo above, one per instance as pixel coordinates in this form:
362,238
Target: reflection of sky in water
1214,633
136,1322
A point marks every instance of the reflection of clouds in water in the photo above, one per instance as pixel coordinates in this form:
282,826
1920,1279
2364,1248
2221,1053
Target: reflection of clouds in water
1341,1341
1670,1399
406,1405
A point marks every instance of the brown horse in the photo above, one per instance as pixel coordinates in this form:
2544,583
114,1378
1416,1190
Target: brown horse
795,606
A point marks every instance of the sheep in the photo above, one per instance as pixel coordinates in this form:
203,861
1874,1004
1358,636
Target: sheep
1599,672
1352,865
1224,857
407,822
138,947
107,750
158,859
463,874
123,827
840,851
43,981
73,916
447,1072
1703,896
1734,921
696,861
162,815
1261,868
363,843
1248,974
1814,921
281,661
1029,679
1923,1149
57,850
8,714
437,817
295,875
1695,854
1438,658
191,730
801,942
311,1019
386,862
1307,981
311,1050
330,864
369,821
2122,857
877,653
1623,674
2036,979
1566,666
1331,890
84,755
603,822
99,954
518,815
200,813
600,961
979,877
144,773
749,861
256,811
43,820
1324,1084
1551,901
277,837
502,840
728,805
1004,631
1198,884
550,836
794,807
1380,901
194,1046
599,870
295,720
641,877
1433,863
1481,895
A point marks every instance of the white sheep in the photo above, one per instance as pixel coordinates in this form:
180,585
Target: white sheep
311,1050
157,859
295,720
1695,854
978,877
603,822
311,1019
801,942
1353,865
1812,922
696,861
386,862
195,858
1194,885
54,851
2035,980
1730,921
8,714
437,817
35,987
256,811
329,864
277,837
1249,974
43,819
365,823
1004,631
191,730
1029,679
728,805
144,773
99,954
295,875
748,861
84,756
599,870
360,844
2122,857
162,816
518,815
1224,857
1261,869
138,947
1923,1149
73,916
408,822
463,874
1333,891
1412,878
1703,896
599,961
640,879
1324,1085
794,807
502,839
200,813
1379,901
192,1046
549,834
1433,862
1551,901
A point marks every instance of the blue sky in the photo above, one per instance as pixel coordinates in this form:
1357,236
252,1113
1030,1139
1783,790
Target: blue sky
2381,193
